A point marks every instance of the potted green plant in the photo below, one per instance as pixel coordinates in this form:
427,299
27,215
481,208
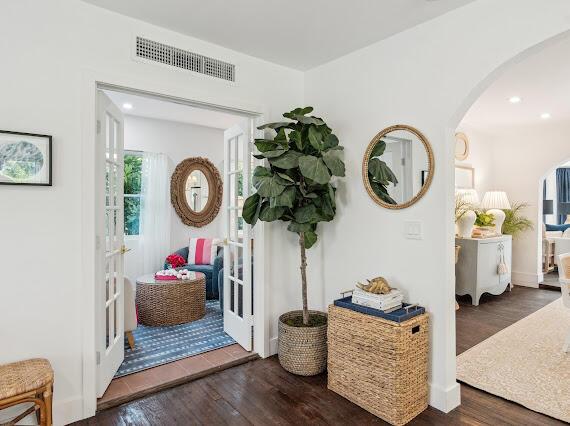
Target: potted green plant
303,157
515,223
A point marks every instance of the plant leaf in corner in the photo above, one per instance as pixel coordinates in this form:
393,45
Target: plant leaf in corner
314,168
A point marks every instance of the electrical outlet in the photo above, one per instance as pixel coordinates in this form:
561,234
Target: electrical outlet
413,230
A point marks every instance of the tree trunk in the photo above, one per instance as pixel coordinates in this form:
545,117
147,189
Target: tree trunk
304,278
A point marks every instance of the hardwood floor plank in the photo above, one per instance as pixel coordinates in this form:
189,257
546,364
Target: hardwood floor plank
262,393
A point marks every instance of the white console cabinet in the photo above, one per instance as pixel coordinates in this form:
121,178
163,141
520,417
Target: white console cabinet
476,272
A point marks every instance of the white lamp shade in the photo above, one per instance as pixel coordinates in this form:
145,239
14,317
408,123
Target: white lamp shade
468,196
495,200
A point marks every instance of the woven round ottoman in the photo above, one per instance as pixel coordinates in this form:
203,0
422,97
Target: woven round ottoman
170,302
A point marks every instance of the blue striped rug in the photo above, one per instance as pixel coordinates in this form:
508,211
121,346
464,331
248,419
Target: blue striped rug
160,345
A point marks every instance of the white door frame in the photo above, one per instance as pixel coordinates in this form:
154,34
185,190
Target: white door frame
90,83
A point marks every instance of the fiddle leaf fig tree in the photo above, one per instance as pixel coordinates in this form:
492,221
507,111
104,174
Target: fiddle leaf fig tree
295,187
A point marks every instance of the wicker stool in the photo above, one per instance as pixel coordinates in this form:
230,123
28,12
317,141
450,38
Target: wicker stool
27,381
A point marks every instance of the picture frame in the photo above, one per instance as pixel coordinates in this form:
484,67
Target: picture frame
464,177
25,159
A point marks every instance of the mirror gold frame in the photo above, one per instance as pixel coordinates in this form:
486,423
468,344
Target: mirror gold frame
178,191
431,166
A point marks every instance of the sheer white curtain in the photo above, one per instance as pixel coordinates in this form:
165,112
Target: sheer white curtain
155,212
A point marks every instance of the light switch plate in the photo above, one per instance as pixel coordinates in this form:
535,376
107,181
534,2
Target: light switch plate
413,230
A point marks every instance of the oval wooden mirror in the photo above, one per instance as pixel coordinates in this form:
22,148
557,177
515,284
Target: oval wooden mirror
196,191
398,167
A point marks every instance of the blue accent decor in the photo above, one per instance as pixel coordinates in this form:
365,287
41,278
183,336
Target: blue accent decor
562,189
155,346
557,227
399,315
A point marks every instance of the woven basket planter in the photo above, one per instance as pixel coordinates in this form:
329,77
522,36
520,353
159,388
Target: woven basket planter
302,350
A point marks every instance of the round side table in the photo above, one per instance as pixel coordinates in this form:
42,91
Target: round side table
162,303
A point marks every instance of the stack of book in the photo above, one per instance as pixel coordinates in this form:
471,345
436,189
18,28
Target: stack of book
385,302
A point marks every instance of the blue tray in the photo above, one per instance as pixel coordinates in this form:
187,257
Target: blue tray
399,315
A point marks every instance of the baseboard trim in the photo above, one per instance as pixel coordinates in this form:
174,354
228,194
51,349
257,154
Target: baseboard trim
445,400
67,411
525,279
273,346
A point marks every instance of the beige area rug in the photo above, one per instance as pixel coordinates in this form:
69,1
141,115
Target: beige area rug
524,363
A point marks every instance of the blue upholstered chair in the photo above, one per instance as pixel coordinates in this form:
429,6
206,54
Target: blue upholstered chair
212,272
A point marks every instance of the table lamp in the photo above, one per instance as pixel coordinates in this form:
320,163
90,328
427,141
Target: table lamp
495,202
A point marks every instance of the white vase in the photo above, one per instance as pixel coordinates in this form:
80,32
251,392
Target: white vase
465,224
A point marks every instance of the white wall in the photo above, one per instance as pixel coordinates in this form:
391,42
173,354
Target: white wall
480,157
177,141
425,77
49,47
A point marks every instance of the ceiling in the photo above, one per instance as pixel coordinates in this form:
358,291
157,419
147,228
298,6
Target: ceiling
542,81
148,107
300,34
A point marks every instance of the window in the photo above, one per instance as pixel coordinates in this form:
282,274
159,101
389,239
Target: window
133,173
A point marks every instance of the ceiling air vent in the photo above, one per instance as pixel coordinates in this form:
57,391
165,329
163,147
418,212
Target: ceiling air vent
169,55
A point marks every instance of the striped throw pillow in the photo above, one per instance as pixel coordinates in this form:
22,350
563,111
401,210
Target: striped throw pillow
202,251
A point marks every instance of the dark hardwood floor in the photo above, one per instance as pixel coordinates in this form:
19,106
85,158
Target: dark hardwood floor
262,393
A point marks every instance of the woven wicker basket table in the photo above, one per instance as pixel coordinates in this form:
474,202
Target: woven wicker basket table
378,364
162,303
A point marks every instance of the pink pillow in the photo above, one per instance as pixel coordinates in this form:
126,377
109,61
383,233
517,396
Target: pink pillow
202,251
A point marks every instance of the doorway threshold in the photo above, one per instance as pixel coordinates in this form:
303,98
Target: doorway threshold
142,383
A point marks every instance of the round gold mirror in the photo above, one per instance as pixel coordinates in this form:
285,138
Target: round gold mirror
196,191
398,167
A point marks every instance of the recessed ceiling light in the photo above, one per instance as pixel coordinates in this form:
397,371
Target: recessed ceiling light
515,99
127,105
545,115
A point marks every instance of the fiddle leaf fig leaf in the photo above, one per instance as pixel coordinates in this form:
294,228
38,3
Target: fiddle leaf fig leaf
306,214
270,214
382,192
333,162
300,227
298,111
264,145
277,125
309,120
315,138
381,172
285,199
314,168
287,160
273,154
331,141
251,208
267,183
310,239
286,177
295,136
378,149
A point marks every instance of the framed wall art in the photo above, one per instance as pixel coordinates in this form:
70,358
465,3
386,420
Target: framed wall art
25,159
464,177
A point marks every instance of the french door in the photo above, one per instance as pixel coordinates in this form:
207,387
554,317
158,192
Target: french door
110,241
238,315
